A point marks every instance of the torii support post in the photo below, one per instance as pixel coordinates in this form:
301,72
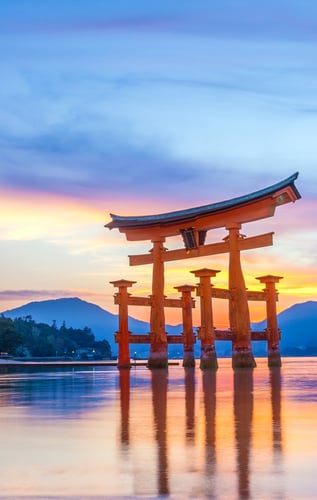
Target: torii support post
122,336
208,356
188,334
158,348
239,316
273,332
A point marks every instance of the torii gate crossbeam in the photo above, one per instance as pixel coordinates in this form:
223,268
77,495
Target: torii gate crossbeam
251,242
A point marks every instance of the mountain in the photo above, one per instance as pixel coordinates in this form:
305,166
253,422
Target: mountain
78,314
297,323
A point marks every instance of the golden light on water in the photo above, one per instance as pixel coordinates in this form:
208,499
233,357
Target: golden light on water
100,431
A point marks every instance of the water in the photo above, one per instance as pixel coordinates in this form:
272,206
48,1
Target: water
93,432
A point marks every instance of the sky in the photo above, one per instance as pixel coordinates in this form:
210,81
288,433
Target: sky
146,107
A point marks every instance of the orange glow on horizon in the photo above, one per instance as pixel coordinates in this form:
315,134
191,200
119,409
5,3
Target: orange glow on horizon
25,216
77,226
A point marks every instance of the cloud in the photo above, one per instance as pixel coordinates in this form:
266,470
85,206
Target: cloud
34,295
128,175
54,164
245,19
147,120
98,16
76,165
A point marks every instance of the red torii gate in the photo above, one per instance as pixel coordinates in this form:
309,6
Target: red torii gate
192,224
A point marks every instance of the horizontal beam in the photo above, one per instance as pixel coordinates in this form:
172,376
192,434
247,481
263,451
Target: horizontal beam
134,301
146,339
228,335
179,339
259,241
258,296
217,293
180,254
147,301
222,293
176,303
139,339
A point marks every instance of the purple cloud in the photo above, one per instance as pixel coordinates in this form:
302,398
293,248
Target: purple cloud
33,295
202,17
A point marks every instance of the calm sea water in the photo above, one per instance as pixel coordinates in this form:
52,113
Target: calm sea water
179,433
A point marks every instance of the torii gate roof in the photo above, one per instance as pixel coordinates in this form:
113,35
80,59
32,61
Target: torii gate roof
247,208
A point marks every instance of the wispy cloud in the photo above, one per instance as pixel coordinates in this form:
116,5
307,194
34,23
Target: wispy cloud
60,167
219,18
100,131
24,296
34,294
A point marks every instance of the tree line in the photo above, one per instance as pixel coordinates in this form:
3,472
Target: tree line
24,337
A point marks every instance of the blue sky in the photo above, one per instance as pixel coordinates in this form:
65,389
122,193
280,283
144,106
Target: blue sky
144,107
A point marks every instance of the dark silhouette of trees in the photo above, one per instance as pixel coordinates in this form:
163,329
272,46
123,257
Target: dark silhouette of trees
10,338
25,337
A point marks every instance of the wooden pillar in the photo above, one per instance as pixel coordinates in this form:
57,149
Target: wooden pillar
122,335
210,398
158,348
242,356
276,403
273,332
188,334
243,418
208,357
124,382
190,405
159,383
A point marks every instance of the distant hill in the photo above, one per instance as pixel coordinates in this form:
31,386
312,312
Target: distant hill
78,314
297,323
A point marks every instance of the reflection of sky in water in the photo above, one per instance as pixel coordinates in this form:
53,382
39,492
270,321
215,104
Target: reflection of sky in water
304,390
301,381
65,392
183,433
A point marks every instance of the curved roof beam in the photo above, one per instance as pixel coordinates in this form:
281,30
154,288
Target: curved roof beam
247,208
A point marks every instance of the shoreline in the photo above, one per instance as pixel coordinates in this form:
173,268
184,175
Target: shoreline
60,364
41,363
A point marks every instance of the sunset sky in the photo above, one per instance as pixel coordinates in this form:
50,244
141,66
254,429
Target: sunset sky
141,107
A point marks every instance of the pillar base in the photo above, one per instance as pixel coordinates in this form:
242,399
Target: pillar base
158,356
208,358
124,366
189,358
274,358
124,360
242,357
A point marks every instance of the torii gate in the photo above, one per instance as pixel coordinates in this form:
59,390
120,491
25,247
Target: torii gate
192,224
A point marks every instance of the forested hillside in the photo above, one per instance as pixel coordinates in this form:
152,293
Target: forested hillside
25,337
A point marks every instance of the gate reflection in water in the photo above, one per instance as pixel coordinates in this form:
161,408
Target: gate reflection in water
206,481
177,432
